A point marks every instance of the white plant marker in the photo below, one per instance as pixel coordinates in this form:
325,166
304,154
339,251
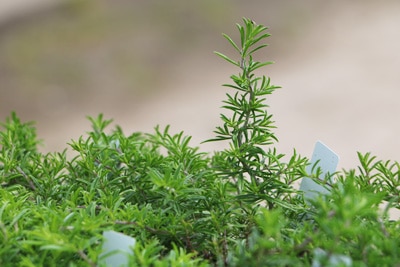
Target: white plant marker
321,255
118,247
327,161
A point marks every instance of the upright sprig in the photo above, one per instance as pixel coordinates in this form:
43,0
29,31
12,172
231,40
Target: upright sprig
249,122
255,172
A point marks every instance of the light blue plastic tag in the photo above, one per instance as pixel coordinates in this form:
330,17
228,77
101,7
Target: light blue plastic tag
116,249
327,160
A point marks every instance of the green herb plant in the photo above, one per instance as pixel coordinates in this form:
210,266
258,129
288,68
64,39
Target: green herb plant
256,172
235,207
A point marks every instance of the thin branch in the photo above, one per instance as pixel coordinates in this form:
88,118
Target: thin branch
301,248
147,228
31,185
86,258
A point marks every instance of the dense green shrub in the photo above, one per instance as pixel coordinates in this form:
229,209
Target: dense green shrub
236,207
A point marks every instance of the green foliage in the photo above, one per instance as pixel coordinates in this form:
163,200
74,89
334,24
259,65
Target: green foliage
257,174
236,207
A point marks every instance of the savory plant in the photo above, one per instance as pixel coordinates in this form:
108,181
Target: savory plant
236,207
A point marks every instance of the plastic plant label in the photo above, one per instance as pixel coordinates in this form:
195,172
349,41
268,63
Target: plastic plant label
323,258
325,159
116,249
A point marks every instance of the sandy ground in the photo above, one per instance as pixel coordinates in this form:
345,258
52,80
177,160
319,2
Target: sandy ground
338,65
11,10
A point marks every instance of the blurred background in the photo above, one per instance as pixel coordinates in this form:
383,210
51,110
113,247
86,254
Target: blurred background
148,63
